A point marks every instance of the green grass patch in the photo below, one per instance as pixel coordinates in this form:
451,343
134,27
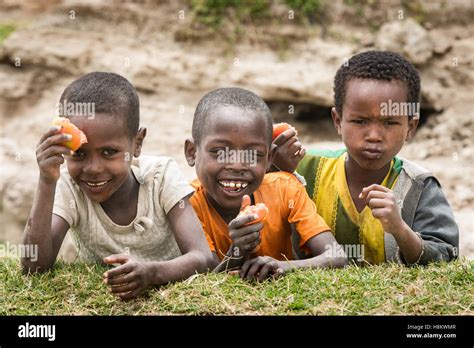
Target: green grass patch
439,289
5,30
213,12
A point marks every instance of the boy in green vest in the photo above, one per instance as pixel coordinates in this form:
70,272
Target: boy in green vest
380,207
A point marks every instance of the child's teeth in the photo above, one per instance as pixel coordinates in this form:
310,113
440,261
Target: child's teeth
97,184
233,184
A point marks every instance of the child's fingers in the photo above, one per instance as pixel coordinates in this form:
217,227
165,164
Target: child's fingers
246,201
301,153
375,194
116,258
53,140
264,271
296,146
241,220
123,269
51,131
246,230
117,271
119,289
278,273
245,267
52,161
246,241
376,187
251,246
284,137
377,203
379,213
254,269
55,150
120,280
130,295
254,246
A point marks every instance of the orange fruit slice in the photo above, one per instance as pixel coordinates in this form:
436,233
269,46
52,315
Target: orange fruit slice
78,137
279,128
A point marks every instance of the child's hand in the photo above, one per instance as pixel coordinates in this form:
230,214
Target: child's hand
245,238
128,280
289,151
262,267
384,207
49,153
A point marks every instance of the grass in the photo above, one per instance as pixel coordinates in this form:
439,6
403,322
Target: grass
439,289
5,30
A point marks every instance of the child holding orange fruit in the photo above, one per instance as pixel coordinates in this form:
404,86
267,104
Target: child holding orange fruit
136,215
239,120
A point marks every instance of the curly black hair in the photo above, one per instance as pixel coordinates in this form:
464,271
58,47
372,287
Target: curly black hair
376,65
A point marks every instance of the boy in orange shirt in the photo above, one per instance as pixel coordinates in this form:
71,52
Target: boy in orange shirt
231,149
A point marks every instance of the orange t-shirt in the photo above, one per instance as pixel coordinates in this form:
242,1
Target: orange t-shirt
287,202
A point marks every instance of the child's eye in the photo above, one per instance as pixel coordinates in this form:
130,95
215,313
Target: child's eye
217,151
109,152
79,154
390,123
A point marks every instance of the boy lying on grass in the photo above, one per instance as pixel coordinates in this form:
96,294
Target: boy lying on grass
231,121
134,215
394,208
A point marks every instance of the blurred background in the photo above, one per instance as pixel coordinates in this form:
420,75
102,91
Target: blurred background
287,51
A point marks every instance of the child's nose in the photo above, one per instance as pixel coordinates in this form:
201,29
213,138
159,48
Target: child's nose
374,133
237,166
93,166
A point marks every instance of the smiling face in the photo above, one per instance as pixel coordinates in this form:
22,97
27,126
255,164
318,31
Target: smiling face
372,140
232,157
101,167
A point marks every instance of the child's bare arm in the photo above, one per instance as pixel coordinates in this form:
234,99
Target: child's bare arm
43,229
132,277
328,254
191,241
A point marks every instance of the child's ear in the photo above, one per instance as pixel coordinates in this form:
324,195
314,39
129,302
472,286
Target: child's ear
141,134
336,119
271,156
412,125
190,151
